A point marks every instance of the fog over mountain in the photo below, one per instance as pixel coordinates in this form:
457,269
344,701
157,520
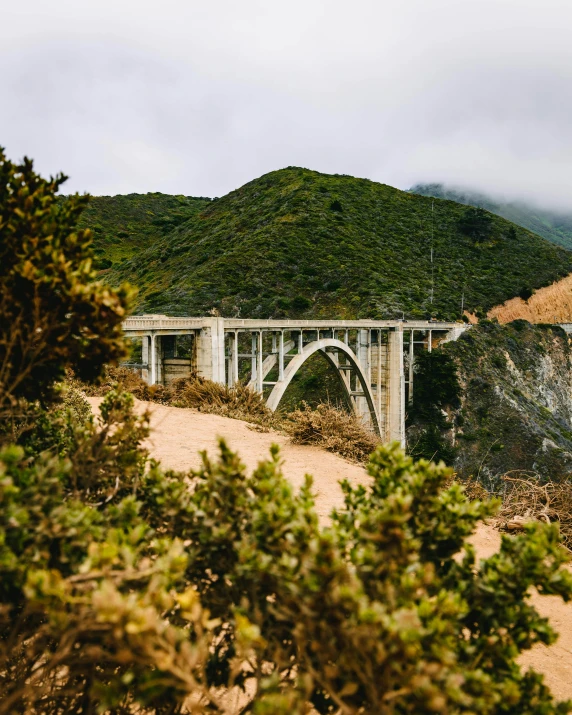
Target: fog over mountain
198,98
553,224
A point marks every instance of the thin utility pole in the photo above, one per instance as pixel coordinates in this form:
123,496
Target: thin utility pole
432,265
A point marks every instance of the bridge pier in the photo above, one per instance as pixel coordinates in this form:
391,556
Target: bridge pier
395,428
209,351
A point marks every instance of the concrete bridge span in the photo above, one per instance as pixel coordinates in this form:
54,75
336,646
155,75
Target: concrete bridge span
374,359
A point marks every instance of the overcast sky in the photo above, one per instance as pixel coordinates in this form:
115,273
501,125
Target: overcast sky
199,97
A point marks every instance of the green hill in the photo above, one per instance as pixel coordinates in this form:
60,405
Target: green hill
296,242
124,225
551,225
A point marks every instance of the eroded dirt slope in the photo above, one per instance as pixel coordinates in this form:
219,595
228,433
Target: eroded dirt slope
552,304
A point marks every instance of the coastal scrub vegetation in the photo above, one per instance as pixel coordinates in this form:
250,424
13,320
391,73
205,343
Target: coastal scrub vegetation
124,225
514,411
54,315
297,243
126,589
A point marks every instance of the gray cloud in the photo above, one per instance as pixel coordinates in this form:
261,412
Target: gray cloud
198,98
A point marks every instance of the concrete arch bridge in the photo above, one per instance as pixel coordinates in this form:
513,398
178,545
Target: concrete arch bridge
374,359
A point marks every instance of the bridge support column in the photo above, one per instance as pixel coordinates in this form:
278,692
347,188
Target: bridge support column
281,355
153,358
362,354
158,359
210,357
395,425
411,365
145,358
259,360
233,359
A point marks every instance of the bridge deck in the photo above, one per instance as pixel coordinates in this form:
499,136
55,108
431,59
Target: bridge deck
138,323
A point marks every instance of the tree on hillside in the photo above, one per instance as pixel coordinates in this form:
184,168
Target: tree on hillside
125,589
476,223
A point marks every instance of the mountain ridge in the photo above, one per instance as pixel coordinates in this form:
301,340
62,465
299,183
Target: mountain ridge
295,242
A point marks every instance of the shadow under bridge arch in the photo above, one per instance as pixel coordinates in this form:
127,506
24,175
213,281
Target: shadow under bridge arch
330,347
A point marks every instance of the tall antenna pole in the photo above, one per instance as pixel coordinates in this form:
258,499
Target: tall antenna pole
432,266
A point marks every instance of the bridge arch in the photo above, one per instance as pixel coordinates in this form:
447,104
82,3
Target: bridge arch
328,345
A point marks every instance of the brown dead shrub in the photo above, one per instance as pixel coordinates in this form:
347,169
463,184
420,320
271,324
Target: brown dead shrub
239,401
124,378
526,499
333,430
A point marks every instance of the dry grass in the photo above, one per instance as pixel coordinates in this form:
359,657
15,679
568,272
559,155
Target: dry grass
239,401
123,377
333,430
527,499
474,490
552,304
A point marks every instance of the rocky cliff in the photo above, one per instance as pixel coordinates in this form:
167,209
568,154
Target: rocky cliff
512,406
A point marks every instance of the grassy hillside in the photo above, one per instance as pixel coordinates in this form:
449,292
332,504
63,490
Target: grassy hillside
553,226
295,242
124,225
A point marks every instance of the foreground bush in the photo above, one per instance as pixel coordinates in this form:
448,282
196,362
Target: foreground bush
124,589
53,314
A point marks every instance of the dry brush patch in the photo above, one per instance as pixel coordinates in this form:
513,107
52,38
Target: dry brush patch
525,498
238,402
333,430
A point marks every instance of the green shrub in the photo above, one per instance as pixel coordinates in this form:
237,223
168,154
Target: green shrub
123,588
436,390
476,223
300,303
53,313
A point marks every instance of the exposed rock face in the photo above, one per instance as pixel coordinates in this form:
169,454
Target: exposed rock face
516,401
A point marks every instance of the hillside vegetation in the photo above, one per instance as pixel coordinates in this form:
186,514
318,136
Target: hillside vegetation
551,225
124,225
299,243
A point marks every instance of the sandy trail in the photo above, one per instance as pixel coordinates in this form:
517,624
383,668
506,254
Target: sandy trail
179,434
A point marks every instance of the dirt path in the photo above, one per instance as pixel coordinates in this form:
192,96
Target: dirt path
179,434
